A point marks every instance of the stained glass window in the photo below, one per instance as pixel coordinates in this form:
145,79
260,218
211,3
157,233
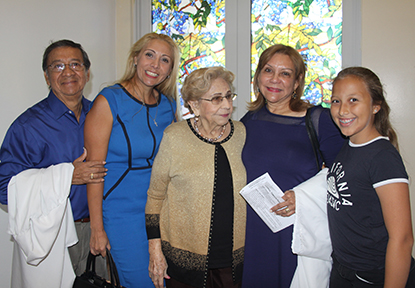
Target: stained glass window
198,27
313,27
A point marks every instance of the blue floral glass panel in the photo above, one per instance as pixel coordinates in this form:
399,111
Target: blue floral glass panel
313,27
198,27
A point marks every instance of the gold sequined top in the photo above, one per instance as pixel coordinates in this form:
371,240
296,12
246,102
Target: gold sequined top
179,202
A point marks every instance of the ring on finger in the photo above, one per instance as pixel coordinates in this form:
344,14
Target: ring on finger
287,209
92,176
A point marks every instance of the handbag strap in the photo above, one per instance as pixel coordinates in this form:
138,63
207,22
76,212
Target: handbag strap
312,134
114,278
90,263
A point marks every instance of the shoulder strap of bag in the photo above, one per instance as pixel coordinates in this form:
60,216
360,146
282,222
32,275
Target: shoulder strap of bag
311,121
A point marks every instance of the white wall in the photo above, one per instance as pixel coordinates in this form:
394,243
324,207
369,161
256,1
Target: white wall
388,42
26,29
27,26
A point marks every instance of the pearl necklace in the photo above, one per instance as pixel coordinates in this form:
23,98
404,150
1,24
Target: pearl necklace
206,138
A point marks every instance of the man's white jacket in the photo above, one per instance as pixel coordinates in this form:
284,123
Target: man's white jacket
42,226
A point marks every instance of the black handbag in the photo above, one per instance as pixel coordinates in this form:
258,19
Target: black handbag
89,279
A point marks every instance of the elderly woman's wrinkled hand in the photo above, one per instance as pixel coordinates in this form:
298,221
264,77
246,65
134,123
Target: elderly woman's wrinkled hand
157,267
286,208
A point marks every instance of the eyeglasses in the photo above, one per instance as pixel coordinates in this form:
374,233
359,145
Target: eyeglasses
59,67
218,99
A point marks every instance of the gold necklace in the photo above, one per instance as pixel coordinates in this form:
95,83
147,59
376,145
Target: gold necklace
144,104
206,138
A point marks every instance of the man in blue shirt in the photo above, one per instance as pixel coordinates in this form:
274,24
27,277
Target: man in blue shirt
52,132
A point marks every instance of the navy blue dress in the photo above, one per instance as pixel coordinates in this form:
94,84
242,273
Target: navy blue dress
280,146
133,145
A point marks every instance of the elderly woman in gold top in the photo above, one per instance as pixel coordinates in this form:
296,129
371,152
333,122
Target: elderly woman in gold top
195,216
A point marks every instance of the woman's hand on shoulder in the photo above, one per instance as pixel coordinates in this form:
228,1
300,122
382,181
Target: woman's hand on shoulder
157,267
286,208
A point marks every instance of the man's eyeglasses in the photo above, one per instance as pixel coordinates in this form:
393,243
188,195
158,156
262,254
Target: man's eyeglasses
59,67
218,99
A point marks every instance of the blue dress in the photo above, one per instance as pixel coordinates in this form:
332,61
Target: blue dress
132,147
280,146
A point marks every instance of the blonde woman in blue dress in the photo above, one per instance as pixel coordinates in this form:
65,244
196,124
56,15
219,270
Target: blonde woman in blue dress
124,128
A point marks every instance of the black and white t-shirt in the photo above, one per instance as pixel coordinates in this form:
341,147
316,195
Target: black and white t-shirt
358,233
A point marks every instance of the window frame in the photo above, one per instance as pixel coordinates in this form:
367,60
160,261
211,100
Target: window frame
238,40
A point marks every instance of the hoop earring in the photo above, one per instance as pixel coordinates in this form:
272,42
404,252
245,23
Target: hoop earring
135,65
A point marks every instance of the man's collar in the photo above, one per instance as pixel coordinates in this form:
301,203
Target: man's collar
85,105
58,108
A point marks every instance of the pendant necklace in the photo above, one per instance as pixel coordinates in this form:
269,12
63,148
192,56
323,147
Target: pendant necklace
144,104
206,138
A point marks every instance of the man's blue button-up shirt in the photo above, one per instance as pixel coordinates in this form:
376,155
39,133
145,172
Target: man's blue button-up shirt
46,134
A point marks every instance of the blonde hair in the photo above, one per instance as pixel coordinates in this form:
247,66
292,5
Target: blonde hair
296,104
169,86
199,82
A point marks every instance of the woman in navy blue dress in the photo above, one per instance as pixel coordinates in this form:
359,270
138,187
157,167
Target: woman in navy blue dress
124,128
277,142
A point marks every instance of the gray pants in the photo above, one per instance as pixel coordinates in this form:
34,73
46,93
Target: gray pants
79,252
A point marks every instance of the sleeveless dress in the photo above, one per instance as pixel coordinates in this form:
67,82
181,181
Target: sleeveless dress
133,145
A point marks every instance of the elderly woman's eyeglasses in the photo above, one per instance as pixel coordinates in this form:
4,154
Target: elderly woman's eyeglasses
59,67
218,99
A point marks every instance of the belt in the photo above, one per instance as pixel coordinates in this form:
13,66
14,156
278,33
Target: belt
83,220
